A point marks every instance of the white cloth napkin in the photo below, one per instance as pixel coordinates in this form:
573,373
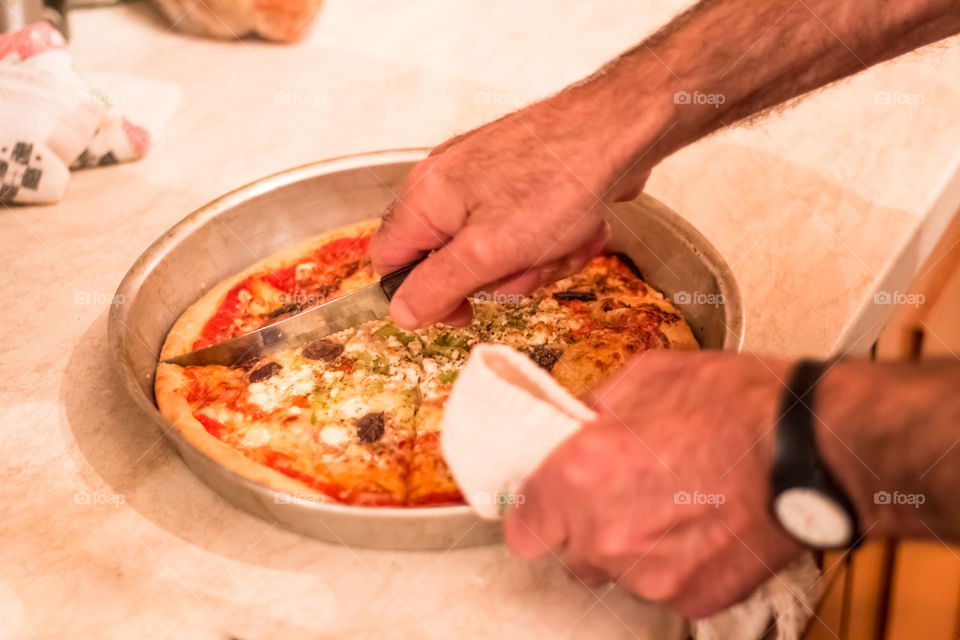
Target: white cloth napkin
506,414
53,119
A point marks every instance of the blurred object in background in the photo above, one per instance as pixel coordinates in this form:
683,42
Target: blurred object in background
17,14
278,20
93,4
55,119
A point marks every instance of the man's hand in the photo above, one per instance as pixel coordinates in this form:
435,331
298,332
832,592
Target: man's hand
667,492
519,201
506,207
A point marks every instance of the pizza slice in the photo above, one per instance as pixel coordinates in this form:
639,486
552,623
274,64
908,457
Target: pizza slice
444,351
335,416
293,280
362,412
610,314
535,325
330,419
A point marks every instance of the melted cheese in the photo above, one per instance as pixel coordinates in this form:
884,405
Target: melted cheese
255,437
304,269
289,382
334,435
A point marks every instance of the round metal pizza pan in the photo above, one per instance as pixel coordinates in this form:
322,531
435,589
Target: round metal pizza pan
252,222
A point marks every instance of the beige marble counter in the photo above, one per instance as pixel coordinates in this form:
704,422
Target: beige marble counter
106,534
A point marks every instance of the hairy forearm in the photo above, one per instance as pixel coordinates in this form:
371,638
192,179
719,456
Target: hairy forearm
725,60
892,429
891,433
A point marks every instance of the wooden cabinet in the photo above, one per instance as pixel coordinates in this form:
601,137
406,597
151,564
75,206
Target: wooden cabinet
904,590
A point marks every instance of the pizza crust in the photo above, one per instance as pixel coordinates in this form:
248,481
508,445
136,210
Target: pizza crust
677,334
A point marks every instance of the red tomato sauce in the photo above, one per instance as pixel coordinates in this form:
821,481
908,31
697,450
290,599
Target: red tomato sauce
282,279
220,323
212,426
445,497
344,249
338,256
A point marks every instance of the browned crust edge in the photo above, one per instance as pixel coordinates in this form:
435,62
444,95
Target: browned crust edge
678,334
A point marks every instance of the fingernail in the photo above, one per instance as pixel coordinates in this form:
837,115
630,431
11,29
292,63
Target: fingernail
402,315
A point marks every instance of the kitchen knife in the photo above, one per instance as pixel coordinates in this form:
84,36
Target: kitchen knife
368,303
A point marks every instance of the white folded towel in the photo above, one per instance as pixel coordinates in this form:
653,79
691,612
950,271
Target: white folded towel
506,414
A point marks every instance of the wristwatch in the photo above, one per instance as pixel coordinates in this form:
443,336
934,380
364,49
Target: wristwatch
806,499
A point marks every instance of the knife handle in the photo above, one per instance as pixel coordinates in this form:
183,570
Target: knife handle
392,281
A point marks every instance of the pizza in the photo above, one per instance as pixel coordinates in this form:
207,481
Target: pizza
354,417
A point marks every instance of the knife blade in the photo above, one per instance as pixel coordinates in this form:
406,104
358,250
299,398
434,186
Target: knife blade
367,303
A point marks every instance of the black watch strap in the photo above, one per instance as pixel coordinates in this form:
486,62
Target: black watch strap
797,463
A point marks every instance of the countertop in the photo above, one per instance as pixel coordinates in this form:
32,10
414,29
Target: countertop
107,534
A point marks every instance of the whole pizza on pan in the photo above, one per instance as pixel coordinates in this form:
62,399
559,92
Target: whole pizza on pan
354,417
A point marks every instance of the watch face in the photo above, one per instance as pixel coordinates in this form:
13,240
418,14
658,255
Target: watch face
814,518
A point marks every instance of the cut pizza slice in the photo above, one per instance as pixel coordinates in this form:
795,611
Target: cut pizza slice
363,410
535,325
444,352
334,417
610,314
609,295
293,280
